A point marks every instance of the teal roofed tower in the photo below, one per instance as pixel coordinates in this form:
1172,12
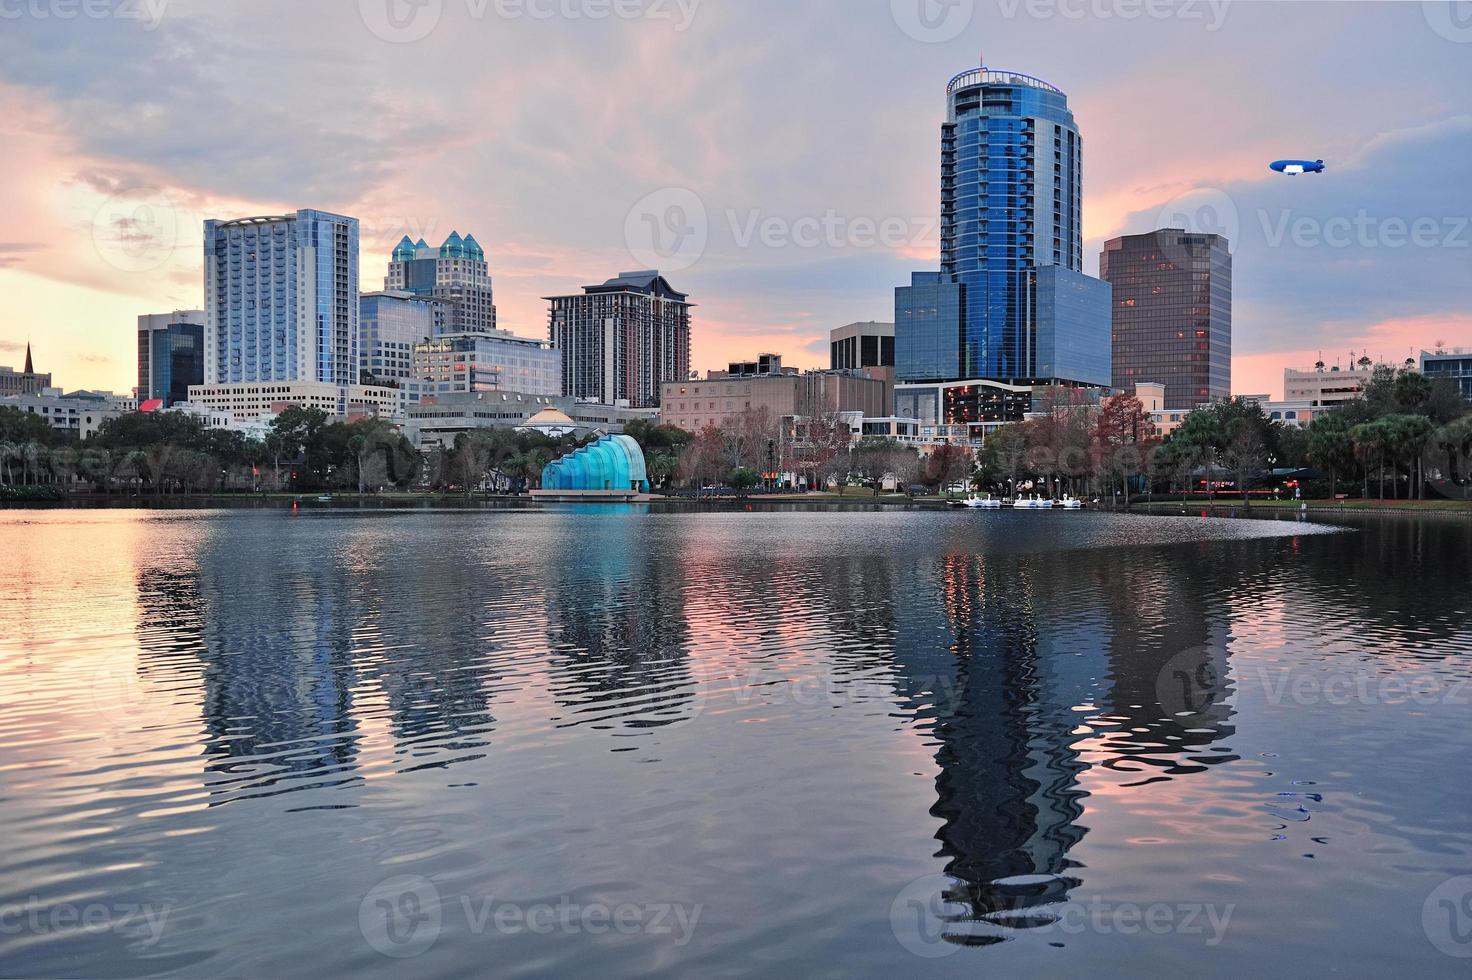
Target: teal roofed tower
404,251
454,247
473,250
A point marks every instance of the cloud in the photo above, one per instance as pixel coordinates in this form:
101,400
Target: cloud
539,135
12,253
1385,234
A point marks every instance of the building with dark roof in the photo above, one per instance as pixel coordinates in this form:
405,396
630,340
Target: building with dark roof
622,340
26,382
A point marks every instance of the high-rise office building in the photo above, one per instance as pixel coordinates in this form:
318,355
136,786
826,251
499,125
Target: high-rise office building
170,355
622,340
456,272
390,324
281,299
1172,317
1012,241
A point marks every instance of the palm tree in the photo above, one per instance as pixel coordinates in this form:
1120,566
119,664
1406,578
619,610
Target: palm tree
361,446
1370,440
31,461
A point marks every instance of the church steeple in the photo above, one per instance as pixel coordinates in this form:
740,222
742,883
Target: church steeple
29,368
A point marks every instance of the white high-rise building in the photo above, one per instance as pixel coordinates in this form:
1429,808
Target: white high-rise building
281,299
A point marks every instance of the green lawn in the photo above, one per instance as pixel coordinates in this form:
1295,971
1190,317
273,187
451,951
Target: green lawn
1235,503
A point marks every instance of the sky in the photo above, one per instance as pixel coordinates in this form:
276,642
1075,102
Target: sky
778,159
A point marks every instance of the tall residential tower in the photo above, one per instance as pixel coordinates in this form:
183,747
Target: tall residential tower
622,340
281,299
1011,240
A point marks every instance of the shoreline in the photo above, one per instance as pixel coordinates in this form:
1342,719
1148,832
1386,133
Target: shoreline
427,501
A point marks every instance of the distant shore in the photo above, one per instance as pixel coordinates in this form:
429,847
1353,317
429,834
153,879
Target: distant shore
859,499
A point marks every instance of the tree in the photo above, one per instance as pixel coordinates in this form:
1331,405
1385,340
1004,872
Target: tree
299,432
742,479
904,464
1124,439
1448,455
1006,451
1245,453
700,461
1330,446
1370,439
949,464
1406,440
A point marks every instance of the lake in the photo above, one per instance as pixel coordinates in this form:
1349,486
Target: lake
250,743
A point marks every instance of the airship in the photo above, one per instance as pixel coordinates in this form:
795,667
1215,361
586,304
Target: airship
1295,167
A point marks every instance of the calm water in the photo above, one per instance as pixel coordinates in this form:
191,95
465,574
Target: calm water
250,744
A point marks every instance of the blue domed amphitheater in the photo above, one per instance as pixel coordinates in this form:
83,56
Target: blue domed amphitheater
612,467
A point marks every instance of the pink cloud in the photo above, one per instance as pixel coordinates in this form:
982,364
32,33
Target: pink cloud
1391,341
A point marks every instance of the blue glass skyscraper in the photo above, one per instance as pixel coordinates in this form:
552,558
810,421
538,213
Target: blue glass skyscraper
1012,240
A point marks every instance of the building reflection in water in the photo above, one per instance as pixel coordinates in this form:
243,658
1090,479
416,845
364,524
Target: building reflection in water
296,652
618,644
1026,670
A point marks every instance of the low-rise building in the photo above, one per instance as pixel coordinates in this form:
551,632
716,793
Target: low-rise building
1296,412
437,419
693,405
80,413
252,399
975,407
256,427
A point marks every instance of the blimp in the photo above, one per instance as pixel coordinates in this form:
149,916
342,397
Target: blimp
1298,166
